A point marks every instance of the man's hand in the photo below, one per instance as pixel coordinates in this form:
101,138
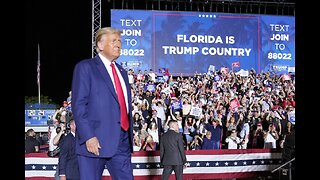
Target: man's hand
63,177
93,145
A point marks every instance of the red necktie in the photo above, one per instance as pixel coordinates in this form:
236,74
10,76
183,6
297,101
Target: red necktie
123,108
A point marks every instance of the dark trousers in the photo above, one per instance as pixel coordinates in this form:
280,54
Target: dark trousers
167,170
119,166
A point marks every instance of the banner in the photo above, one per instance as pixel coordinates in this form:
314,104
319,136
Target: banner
150,87
242,73
286,77
292,117
38,117
236,64
234,104
211,69
176,105
224,70
202,164
166,90
160,79
195,111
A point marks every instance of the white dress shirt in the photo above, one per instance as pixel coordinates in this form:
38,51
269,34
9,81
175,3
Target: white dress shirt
107,64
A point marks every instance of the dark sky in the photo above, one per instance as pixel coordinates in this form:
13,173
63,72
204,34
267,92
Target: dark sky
62,28
63,31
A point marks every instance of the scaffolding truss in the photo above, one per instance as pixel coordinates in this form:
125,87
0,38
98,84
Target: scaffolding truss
96,22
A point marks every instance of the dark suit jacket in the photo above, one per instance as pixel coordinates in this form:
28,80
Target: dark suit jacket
68,162
171,149
95,107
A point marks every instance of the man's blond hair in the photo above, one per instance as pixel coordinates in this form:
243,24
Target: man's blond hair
103,31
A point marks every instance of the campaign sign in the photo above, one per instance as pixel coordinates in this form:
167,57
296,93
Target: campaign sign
234,104
176,105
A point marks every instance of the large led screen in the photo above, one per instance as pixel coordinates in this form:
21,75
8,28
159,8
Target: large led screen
191,42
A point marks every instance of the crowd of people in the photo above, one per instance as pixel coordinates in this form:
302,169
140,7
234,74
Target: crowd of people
221,110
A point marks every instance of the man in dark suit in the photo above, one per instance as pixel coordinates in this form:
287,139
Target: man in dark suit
68,161
172,152
101,106
31,143
288,152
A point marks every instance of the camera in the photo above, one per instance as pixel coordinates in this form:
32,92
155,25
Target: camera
68,126
58,129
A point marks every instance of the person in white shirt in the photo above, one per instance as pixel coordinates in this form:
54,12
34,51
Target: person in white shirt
160,107
233,140
271,137
186,108
137,142
131,76
152,75
153,131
